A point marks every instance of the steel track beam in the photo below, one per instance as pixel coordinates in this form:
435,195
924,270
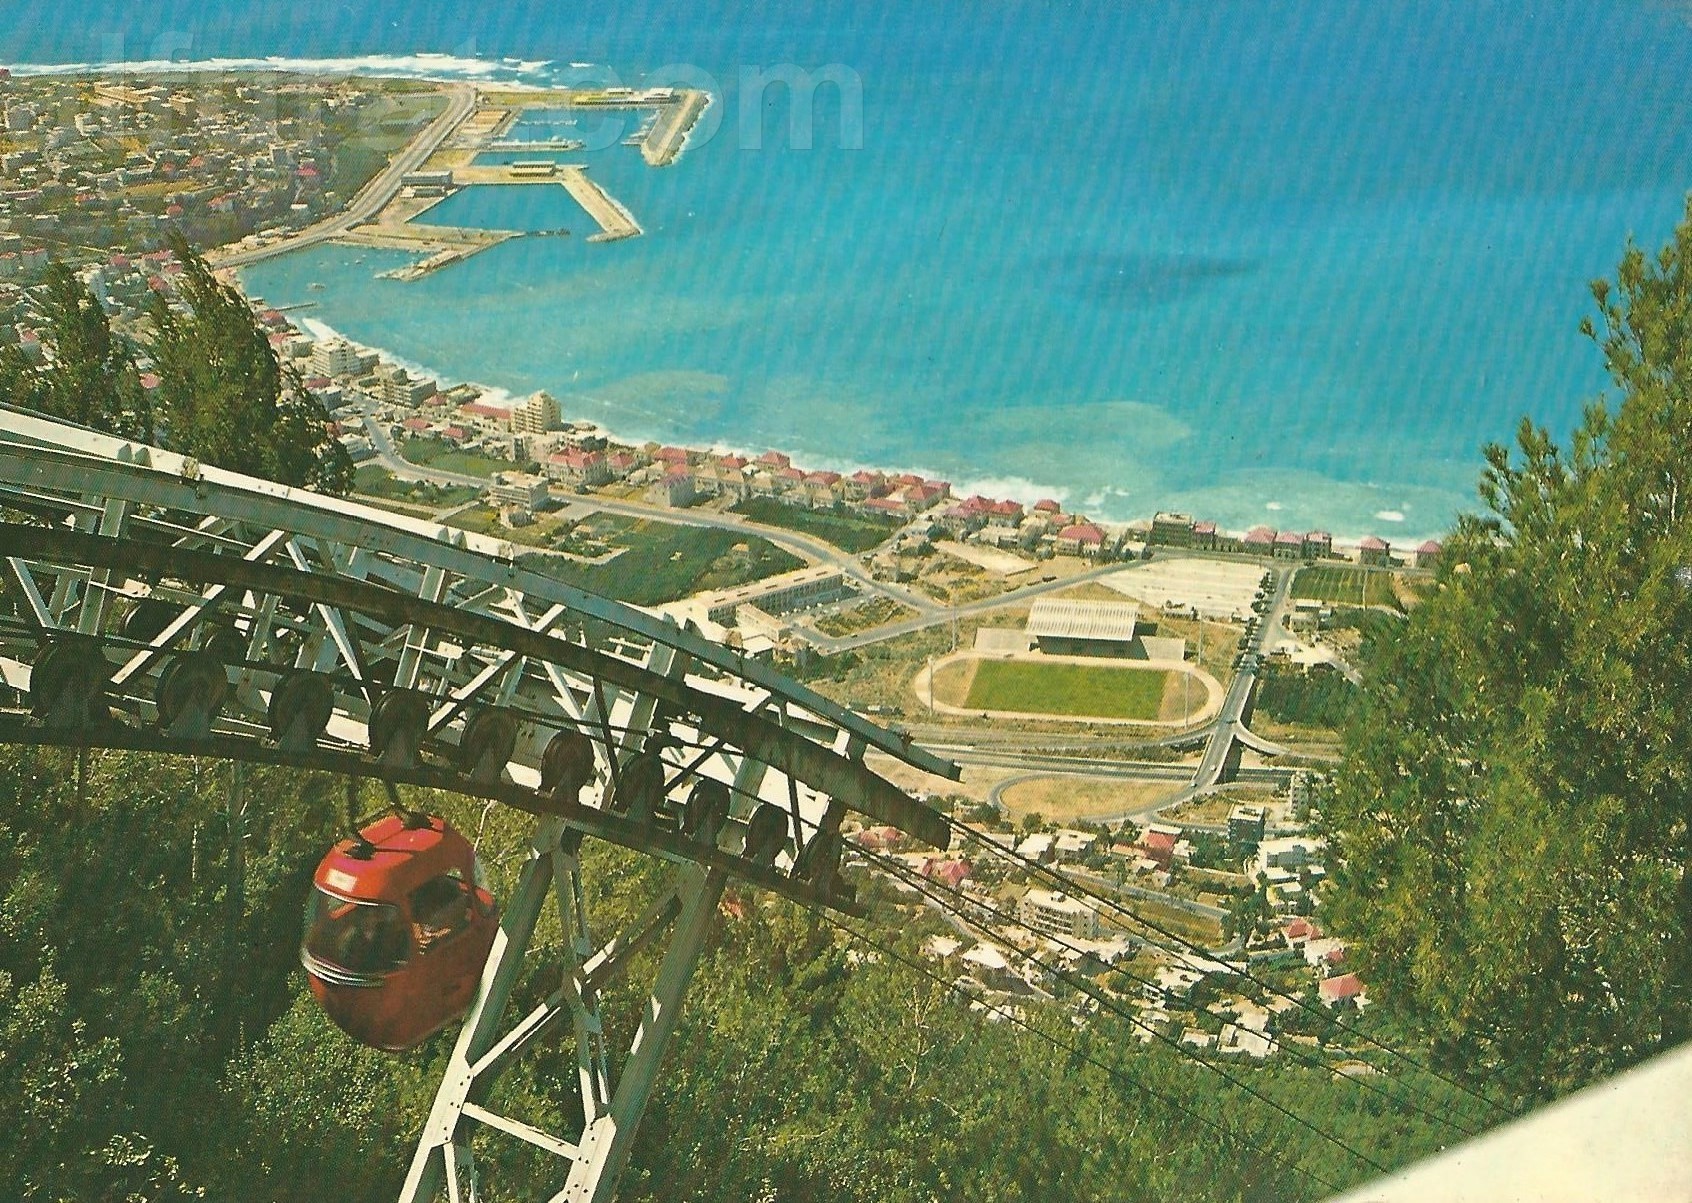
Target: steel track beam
764,740
44,455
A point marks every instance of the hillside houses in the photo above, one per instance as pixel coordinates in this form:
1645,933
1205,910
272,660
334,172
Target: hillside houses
124,163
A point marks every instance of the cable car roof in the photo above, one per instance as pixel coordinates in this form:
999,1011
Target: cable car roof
404,857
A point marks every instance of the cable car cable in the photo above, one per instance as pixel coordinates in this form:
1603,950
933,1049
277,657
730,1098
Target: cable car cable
1113,1071
1072,885
1299,1057
1092,991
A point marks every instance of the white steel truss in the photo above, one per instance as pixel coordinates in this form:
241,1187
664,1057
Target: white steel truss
150,602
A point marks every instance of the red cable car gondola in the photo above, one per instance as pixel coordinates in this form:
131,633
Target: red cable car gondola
397,929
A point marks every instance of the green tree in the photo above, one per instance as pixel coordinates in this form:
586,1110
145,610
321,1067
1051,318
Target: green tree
63,1085
1512,817
227,399
87,374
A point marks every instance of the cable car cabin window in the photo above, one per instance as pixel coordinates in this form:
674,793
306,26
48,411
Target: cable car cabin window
440,909
360,937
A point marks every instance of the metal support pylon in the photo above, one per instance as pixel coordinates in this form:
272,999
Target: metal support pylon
612,1104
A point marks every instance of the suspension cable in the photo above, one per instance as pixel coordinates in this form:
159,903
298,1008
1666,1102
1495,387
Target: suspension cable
924,886
1079,887
1115,1072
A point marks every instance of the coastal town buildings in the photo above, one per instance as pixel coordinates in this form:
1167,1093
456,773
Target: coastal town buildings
110,163
1057,914
519,491
536,414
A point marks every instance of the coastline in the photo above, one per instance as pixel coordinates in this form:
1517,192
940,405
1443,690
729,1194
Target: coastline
1399,399
1019,489
1243,497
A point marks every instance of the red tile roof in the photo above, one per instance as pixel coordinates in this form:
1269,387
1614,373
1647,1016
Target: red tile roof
1370,543
1347,985
1084,532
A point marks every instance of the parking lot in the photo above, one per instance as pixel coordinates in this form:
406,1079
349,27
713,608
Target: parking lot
1215,588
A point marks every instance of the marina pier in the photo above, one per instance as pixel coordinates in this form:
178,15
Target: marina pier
668,135
443,160
615,221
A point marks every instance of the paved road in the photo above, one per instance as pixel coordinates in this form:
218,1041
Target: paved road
1181,904
808,547
1230,723
937,613
976,737
375,195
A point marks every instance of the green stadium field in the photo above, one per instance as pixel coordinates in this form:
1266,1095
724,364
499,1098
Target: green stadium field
1078,690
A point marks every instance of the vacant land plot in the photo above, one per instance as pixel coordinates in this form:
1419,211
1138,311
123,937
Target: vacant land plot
1214,808
1070,799
1071,689
957,582
663,562
387,125
1197,929
373,480
1345,586
443,457
991,558
876,612
1215,588
849,532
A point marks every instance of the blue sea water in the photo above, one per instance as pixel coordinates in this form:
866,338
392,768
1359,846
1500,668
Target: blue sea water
1280,261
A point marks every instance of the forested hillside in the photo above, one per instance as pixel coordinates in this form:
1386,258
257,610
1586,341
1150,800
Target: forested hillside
1513,817
1511,826
157,1039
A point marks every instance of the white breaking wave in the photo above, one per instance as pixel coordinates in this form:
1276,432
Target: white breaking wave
322,331
1390,515
1017,488
421,66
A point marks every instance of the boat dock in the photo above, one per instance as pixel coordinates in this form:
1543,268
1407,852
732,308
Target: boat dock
439,245
535,144
668,136
484,119
615,221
